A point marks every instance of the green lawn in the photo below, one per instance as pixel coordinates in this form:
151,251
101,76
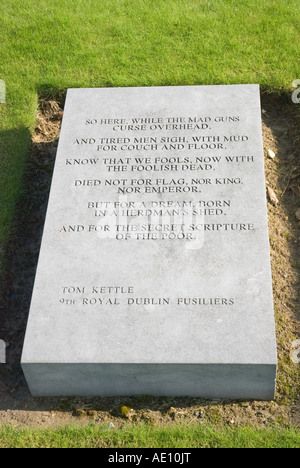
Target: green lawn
49,46
143,436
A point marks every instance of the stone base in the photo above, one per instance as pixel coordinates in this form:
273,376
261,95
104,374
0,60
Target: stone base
220,381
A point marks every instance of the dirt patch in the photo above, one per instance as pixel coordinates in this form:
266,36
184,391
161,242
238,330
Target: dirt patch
281,135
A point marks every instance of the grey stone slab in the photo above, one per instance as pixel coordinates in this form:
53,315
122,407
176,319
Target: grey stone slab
154,272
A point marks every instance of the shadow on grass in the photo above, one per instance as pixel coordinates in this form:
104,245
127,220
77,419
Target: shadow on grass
13,152
14,145
282,116
20,261
23,250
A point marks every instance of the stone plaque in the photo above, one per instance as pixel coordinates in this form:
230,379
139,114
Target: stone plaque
154,272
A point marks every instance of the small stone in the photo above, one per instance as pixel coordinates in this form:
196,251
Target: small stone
110,426
271,154
298,214
199,414
272,196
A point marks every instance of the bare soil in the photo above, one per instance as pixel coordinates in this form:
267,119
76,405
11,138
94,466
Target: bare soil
280,120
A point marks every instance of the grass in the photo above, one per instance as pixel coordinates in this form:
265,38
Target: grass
143,436
49,46
61,44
